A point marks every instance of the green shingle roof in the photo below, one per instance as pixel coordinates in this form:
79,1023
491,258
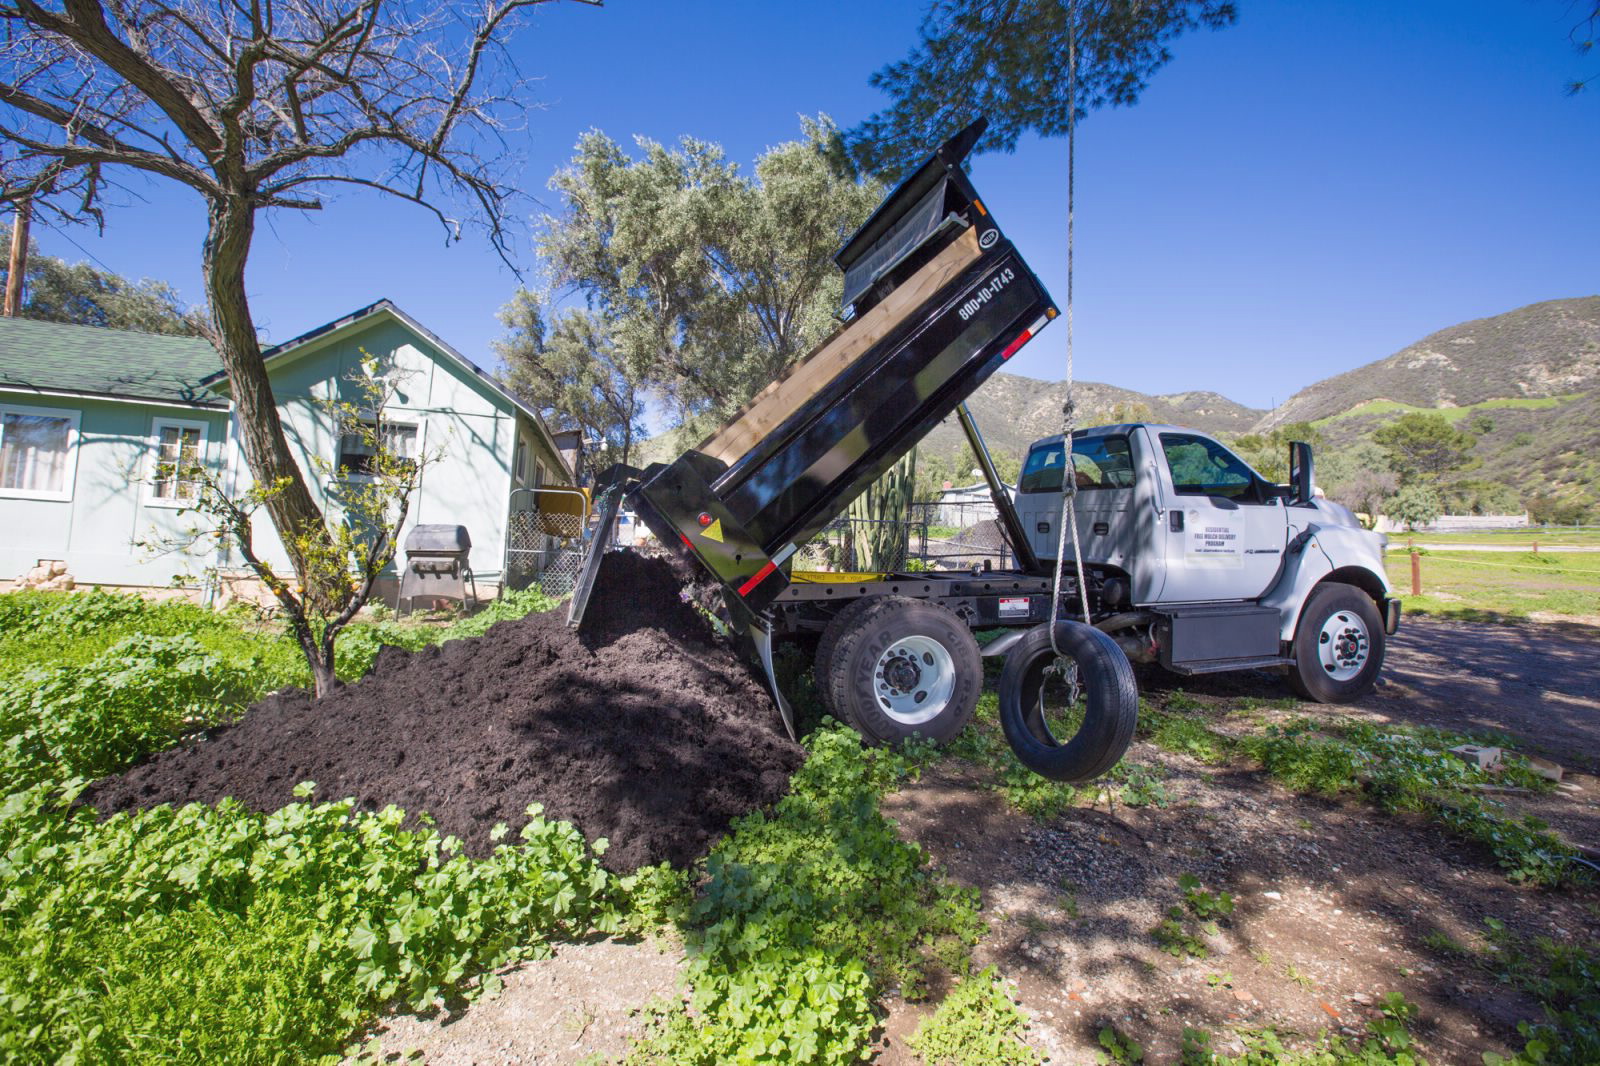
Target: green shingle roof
53,357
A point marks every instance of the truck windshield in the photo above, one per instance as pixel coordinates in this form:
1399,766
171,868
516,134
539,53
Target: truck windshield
1098,463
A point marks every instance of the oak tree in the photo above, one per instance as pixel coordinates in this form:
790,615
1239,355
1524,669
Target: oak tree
1424,447
708,283
274,104
565,364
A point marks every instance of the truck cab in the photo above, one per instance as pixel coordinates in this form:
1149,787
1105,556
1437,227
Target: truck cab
1206,565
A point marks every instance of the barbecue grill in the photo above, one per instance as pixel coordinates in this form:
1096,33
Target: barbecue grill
437,566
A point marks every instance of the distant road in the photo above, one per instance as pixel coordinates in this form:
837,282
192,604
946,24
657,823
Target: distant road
1545,546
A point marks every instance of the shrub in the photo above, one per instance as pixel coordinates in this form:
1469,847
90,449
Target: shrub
140,695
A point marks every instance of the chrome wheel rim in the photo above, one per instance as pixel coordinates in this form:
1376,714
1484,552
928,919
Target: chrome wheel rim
1343,645
914,679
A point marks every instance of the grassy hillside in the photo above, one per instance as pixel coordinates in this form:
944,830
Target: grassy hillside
1541,351
1014,411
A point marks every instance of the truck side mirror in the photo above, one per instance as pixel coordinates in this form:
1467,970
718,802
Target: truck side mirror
1300,472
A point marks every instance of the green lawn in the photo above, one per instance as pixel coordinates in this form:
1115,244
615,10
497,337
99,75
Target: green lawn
1450,414
1554,536
1510,585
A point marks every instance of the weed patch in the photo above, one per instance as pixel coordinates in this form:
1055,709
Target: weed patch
805,915
1401,769
976,1025
1565,979
190,935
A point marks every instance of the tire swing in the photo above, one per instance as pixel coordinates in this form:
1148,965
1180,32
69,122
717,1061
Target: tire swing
1096,677
1083,663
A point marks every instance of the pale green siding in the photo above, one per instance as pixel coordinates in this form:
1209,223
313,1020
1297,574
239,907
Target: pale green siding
97,531
459,419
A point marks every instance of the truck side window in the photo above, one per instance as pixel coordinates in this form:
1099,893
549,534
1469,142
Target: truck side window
1099,462
1042,471
1202,467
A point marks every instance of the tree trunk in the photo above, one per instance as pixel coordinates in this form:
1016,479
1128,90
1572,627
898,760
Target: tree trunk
294,513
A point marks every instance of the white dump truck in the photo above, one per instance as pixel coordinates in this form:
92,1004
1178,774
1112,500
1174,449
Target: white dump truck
1190,558
1202,565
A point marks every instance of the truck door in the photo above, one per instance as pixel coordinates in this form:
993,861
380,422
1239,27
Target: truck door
1225,528
1113,505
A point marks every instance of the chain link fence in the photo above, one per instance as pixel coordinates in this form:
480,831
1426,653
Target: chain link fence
960,535
935,536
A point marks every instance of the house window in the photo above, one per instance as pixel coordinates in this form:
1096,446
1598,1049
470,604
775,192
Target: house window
179,452
521,462
356,451
38,452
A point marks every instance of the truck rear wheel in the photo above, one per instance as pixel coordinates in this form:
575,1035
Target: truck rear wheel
1090,691
901,667
837,627
1338,645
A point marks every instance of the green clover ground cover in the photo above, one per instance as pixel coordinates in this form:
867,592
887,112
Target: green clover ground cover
216,934
808,913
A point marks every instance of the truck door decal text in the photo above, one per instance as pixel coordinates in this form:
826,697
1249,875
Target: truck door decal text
1212,542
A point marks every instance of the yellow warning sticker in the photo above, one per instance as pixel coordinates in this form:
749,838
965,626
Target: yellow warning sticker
713,531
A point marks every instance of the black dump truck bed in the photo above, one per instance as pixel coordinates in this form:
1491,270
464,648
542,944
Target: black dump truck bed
936,299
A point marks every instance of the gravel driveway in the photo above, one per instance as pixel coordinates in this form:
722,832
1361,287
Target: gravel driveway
1540,683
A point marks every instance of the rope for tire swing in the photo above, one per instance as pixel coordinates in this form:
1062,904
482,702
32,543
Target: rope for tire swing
1069,408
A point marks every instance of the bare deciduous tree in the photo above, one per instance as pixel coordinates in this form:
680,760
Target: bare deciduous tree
257,104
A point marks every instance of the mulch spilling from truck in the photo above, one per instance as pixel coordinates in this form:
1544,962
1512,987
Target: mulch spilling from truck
645,729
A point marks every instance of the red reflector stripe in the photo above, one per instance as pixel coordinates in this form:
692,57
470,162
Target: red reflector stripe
685,540
760,576
1011,349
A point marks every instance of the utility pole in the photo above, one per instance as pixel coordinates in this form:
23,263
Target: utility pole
19,260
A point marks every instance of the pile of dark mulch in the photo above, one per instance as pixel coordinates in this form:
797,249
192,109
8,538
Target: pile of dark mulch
645,729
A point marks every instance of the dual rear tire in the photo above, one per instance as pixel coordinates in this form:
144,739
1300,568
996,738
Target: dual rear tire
893,668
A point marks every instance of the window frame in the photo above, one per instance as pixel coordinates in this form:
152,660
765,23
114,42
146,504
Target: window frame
339,468
1253,491
69,478
1078,438
157,424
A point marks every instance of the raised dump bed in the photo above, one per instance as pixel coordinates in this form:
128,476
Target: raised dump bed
936,299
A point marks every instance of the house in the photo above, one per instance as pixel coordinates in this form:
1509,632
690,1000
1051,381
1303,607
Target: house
964,505
93,423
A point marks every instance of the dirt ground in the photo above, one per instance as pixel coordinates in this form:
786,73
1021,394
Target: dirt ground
1337,904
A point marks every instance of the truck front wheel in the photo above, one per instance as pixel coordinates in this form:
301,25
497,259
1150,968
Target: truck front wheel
1338,646
902,667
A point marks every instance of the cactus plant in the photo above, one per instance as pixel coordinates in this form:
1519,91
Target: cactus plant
879,517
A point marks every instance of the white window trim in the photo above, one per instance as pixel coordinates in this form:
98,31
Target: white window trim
74,419
157,424
419,423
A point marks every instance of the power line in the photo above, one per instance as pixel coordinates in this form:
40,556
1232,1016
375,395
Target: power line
101,263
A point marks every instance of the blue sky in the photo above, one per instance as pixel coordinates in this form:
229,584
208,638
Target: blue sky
1308,191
